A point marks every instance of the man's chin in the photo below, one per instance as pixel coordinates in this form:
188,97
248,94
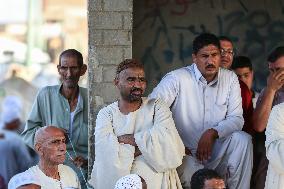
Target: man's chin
70,85
225,65
135,98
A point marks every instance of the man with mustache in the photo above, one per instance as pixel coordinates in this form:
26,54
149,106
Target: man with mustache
207,109
227,56
136,135
65,106
50,145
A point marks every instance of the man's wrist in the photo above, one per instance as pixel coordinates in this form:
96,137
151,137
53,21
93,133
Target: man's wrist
214,133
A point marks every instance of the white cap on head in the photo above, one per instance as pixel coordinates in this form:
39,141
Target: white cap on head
131,181
11,109
22,179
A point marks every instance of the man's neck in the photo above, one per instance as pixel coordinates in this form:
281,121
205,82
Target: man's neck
49,170
70,93
210,78
126,107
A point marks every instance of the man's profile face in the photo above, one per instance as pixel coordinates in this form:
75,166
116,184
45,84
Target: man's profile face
53,148
214,184
131,83
207,61
278,64
70,71
245,75
227,54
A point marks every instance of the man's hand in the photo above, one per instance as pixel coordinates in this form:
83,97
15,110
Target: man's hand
275,79
127,139
205,144
79,161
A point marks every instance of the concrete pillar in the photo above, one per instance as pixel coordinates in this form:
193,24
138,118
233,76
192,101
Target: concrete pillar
110,42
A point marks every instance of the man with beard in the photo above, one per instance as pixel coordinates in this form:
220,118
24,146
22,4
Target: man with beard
136,135
50,172
65,106
270,96
207,108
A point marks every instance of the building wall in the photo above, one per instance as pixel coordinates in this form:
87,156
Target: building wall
110,41
164,30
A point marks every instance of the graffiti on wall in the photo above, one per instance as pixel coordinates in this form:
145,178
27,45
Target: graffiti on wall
164,30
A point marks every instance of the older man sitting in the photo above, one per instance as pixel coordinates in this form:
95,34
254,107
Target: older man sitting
50,172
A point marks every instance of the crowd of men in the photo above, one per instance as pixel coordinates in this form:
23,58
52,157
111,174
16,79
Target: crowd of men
203,126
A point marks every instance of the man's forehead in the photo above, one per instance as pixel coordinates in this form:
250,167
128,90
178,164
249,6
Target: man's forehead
209,49
134,71
243,70
226,44
69,59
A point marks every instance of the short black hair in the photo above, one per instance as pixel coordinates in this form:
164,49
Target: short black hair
199,177
241,62
72,53
225,38
278,52
128,63
203,40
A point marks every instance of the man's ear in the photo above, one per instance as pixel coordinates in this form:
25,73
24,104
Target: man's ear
83,69
115,81
193,58
38,149
58,68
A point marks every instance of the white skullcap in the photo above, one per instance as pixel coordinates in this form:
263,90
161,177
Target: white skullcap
11,109
22,179
131,181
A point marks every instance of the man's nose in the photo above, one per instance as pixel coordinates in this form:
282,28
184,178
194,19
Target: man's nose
138,84
69,72
210,60
62,146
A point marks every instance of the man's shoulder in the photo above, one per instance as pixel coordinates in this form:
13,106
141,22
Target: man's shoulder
49,89
227,73
66,169
183,71
83,91
157,103
109,109
227,76
23,178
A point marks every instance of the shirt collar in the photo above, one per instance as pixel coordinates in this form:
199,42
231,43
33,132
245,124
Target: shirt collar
80,100
199,77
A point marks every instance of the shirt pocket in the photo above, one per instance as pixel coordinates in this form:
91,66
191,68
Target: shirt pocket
220,108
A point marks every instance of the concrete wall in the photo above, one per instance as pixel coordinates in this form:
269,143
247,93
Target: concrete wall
164,30
110,41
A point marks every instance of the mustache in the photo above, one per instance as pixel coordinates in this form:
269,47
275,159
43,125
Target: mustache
136,89
210,66
70,78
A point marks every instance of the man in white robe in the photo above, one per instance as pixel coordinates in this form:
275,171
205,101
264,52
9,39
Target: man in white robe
135,135
50,172
275,148
207,109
